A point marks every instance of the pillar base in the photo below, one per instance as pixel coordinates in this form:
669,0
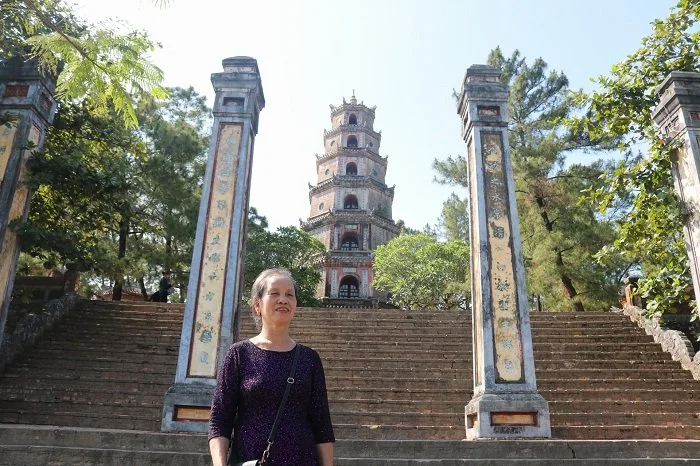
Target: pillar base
186,408
507,416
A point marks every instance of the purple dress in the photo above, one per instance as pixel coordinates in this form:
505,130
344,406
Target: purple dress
248,392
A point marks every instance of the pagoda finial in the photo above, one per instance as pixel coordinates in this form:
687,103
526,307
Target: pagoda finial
353,100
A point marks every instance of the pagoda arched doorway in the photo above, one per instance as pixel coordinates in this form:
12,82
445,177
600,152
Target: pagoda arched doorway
349,287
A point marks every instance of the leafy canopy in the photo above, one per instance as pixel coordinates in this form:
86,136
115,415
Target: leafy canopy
650,230
102,66
289,248
422,273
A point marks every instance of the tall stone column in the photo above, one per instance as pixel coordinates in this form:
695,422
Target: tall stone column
678,117
506,403
211,318
26,96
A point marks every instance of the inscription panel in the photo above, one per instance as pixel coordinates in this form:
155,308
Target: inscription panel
212,272
7,137
508,357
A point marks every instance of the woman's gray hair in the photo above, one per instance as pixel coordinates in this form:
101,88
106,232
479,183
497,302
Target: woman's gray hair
259,286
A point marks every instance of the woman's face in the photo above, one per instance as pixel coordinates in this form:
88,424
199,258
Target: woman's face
278,303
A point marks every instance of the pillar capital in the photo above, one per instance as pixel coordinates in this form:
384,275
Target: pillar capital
239,92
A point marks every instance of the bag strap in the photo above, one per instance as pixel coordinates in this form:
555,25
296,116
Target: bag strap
283,404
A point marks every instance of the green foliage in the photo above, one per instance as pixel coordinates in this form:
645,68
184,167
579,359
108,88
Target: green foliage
454,219
82,181
289,248
650,230
406,230
99,65
422,273
120,203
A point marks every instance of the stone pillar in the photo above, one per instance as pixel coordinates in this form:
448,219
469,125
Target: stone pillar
212,310
506,403
678,117
26,96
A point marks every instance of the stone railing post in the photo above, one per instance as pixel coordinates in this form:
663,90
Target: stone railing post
505,403
26,97
212,310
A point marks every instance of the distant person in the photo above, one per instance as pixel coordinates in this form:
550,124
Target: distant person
164,289
252,382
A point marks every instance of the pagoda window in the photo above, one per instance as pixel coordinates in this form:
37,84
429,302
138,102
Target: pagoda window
349,287
350,202
351,169
350,242
353,119
352,141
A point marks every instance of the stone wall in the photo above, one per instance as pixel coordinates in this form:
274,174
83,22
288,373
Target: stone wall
322,203
673,342
381,236
33,326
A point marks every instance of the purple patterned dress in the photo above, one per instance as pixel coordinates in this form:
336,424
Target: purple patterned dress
248,392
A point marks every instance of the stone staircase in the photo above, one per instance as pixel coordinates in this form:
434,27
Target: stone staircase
401,377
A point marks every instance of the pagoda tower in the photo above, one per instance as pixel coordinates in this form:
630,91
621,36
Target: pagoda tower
351,205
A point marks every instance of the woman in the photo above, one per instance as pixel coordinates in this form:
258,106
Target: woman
252,380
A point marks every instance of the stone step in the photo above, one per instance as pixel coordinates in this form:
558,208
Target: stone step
65,347
431,432
73,393
369,450
625,418
558,419
626,432
123,382
69,456
546,365
578,384
89,359
87,320
390,350
437,405
390,460
98,409
485,450
465,354
380,382
394,393
614,394
80,419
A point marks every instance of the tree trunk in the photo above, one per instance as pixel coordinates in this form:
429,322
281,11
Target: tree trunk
144,292
569,289
119,280
567,283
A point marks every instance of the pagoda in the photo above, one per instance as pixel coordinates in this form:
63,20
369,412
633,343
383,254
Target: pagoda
351,206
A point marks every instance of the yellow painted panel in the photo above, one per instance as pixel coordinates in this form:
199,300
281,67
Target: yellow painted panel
514,419
212,275
506,328
19,202
191,413
7,137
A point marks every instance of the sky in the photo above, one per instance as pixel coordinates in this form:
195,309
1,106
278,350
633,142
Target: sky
404,56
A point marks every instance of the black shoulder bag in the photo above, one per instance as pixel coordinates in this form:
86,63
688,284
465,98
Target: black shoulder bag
271,439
